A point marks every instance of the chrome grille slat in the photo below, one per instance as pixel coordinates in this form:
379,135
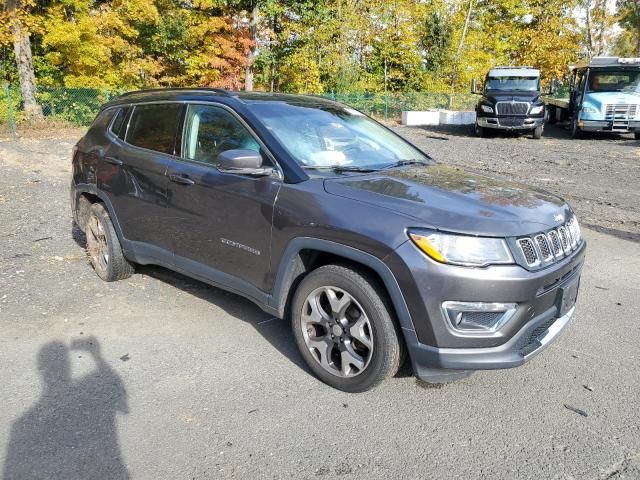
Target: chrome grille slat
529,251
543,246
554,240
512,108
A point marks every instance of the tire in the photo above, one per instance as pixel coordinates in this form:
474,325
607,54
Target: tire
637,135
339,336
480,131
551,115
576,133
103,247
537,133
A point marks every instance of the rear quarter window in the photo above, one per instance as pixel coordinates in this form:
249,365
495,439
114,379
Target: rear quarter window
154,127
117,125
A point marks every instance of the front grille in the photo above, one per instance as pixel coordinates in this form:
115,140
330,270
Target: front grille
511,122
620,111
532,342
512,108
547,247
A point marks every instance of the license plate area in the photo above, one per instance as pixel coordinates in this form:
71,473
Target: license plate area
567,296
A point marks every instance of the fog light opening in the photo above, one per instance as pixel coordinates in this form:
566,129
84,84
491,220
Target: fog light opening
478,318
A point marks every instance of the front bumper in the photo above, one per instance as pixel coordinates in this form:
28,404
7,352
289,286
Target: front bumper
609,126
439,354
510,123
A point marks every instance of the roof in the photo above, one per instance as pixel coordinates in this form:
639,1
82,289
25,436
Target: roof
605,62
514,72
203,94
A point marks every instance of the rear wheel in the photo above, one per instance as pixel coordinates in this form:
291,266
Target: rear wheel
551,115
103,247
537,133
344,328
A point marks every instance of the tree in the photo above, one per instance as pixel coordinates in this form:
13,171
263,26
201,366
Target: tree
629,11
16,17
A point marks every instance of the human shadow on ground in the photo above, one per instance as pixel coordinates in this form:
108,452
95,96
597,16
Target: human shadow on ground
70,432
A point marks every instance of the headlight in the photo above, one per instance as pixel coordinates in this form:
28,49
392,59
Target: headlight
462,249
536,109
486,108
589,109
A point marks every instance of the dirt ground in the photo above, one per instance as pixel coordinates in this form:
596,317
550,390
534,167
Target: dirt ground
160,376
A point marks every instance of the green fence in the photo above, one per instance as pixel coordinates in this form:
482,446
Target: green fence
78,106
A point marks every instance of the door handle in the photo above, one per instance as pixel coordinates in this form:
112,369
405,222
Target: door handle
181,179
113,161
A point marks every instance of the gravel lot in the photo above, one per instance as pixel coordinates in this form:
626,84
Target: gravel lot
161,376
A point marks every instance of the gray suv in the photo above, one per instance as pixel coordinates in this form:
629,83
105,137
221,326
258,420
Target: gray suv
321,215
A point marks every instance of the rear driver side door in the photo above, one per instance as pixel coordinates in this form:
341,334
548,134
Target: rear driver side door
221,222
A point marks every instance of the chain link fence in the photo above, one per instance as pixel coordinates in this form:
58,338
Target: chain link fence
78,106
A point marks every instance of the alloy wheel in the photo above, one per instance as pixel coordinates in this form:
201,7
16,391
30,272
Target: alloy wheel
337,331
97,244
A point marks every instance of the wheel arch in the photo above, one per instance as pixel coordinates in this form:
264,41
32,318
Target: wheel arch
86,195
305,254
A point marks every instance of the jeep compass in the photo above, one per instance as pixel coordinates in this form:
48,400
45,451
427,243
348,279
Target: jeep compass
323,216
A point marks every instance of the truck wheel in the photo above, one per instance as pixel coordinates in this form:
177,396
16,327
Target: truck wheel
103,247
480,131
551,115
537,133
344,328
637,135
576,133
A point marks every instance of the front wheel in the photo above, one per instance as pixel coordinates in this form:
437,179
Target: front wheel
537,133
480,131
344,328
637,135
576,132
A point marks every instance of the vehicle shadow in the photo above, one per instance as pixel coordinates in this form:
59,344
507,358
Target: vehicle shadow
71,431
276,331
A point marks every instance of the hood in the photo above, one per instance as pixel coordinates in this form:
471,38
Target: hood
600,99
448,198
506,96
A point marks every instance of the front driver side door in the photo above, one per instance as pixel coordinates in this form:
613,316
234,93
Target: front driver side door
221,222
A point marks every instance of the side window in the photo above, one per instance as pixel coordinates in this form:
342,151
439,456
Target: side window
154,127
118,122
211,130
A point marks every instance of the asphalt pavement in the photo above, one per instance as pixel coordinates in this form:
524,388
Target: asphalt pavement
163,377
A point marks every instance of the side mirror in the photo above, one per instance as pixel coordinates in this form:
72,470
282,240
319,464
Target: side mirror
242,162
554,86
474,86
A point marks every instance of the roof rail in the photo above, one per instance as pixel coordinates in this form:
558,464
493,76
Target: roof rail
219,91
514,67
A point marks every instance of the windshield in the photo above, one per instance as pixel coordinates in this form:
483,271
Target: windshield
614,81
329,136
529,84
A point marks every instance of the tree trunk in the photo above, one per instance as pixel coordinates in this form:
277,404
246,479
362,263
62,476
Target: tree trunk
454,77
22,50
253,33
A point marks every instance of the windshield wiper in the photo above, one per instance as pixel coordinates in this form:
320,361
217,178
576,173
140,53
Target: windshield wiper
340,168
404,163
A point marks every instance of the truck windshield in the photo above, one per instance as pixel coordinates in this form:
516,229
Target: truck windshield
529,84
321,135
614,81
